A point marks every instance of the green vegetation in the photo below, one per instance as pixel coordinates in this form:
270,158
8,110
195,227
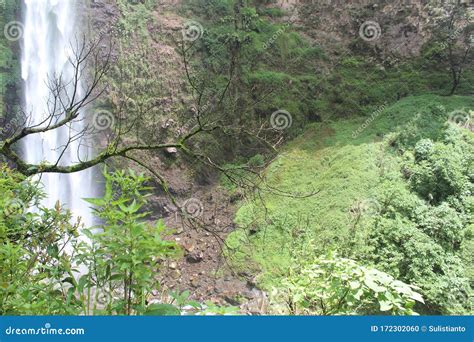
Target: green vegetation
272,66
358,85
9,66
136,81
366,209
48,269
121,253
335,285
33,259
388,197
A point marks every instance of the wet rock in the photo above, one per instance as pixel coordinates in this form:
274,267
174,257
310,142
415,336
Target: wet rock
194,282
176,274
171,150
253,294
257,306
189,247
251,283
194,258
232,301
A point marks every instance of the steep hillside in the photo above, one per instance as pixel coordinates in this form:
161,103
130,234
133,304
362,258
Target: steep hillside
363,171
347,95
400,27
278,156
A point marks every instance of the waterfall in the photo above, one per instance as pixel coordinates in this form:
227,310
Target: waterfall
48,40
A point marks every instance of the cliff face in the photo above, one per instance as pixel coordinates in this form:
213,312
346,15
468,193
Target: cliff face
388,28
147,79
143,47
400,27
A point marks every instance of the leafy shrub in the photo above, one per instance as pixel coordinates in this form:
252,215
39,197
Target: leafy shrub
422,233
48,269
423,149
445,225
124,254
397,246
333,285
33,256
439,170
426,124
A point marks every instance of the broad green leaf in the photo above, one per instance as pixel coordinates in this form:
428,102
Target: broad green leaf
162,310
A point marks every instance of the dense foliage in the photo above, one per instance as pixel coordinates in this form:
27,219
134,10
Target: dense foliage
332,285
33,250
50,266
368,210
401,204
423,228
9,66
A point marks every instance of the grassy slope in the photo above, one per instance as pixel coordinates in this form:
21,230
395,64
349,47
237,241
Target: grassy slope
346,170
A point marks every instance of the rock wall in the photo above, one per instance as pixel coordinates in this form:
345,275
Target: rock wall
398,28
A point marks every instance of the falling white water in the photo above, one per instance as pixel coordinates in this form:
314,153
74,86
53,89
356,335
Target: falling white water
49,34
